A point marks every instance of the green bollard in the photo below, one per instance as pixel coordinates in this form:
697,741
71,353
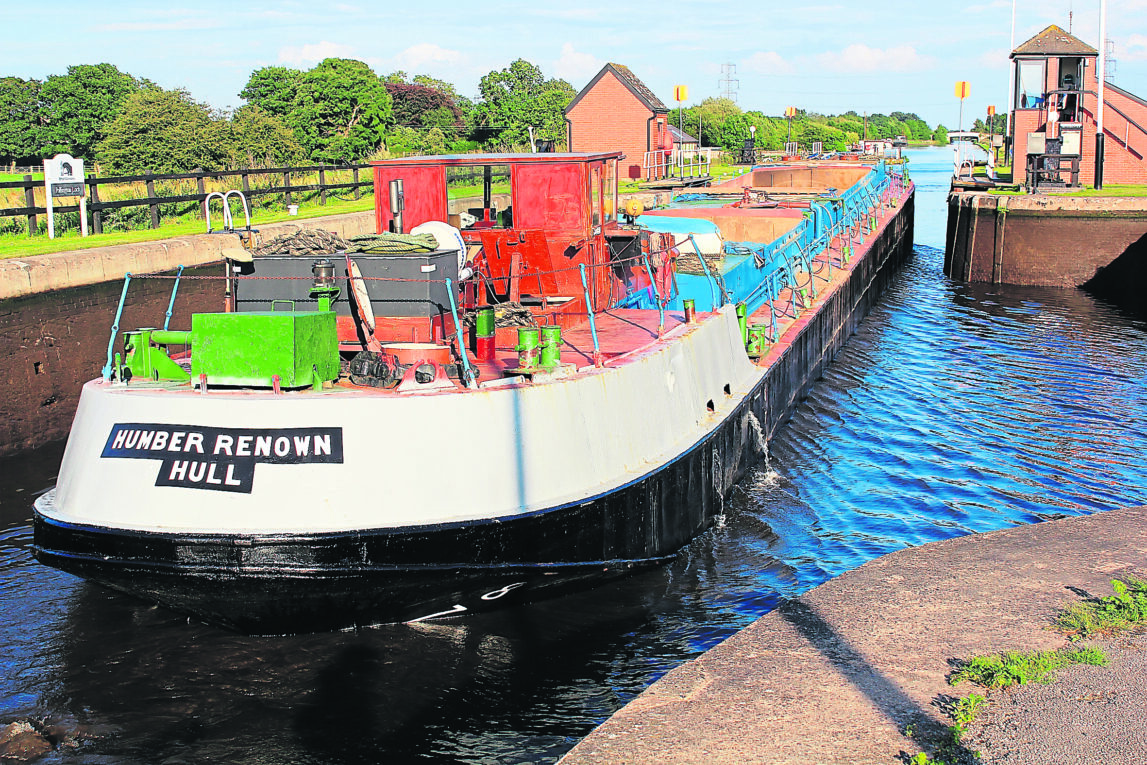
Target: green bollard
527,347
551,355
756,344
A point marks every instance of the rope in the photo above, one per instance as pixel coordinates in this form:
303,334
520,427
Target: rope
392,244
505,315
307,242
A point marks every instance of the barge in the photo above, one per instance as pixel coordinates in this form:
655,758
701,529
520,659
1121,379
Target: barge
558,390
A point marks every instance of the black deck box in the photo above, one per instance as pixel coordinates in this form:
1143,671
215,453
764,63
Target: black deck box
420,289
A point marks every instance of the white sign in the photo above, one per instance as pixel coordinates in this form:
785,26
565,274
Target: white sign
64,168
64,177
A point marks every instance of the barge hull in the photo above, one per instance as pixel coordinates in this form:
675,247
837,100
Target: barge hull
278,584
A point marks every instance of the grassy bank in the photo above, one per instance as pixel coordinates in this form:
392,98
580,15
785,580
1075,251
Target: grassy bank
21,245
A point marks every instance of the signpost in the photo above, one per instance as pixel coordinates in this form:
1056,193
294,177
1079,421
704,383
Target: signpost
992,128
680,94
790,112
64,177
963,90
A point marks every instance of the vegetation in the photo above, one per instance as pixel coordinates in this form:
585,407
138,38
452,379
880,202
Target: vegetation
1108,616
263,206
188,223
963,713
720,122
342,111
1019,668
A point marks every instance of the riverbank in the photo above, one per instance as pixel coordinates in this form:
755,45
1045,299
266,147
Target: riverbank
842,673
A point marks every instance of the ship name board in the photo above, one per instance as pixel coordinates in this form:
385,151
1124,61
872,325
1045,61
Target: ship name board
220,459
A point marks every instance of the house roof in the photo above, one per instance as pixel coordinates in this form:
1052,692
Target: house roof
1053,41
680,136
627,78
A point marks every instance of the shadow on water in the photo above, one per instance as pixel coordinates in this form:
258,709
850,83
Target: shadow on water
954,409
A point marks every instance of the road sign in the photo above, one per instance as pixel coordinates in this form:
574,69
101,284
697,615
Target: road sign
681,93
67,189
963,89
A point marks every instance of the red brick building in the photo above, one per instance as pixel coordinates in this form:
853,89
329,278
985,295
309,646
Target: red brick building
617,112
1056,86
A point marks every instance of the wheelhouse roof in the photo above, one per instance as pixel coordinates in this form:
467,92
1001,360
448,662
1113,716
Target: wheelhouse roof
502,159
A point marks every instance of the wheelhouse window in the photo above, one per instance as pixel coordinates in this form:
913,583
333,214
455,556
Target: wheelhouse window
479,195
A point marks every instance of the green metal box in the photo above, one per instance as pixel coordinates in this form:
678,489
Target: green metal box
248,349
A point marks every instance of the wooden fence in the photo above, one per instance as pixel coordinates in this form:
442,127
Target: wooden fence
96,207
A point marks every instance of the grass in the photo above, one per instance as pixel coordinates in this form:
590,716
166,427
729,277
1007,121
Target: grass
1108,190
1107,616
963,713
21,245
1021,667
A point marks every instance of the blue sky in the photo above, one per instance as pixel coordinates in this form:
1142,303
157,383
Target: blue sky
825,57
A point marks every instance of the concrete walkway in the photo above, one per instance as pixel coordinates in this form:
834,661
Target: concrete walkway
837,675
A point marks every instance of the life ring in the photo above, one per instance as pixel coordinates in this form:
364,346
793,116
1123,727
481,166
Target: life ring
448,238
361,297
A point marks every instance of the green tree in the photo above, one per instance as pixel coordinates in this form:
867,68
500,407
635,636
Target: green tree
78,107
272,89
341,111
19,120
518,98
940,135
261,138
165,131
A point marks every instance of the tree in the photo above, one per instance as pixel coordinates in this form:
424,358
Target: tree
272,89
78,107
419,106
19,120
341,111
518,98
940,135
261,138
165,131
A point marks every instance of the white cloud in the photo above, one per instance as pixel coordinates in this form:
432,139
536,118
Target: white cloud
766,62
1134,49
312,53
576,67
861,58
427,56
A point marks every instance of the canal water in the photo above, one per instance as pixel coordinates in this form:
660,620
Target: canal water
955,409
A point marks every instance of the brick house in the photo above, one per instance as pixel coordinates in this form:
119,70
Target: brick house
617,112
1056,86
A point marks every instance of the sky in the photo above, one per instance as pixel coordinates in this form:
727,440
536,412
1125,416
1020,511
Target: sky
824,57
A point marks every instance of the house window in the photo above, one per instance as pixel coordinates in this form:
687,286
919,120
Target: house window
1031,78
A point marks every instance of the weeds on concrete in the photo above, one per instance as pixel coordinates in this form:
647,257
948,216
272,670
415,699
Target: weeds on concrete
1108,616
963,712
1018,668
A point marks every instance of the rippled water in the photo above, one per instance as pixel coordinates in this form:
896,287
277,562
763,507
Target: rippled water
954,409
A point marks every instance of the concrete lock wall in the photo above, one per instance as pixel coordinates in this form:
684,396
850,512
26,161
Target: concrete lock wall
1046,241
56,314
